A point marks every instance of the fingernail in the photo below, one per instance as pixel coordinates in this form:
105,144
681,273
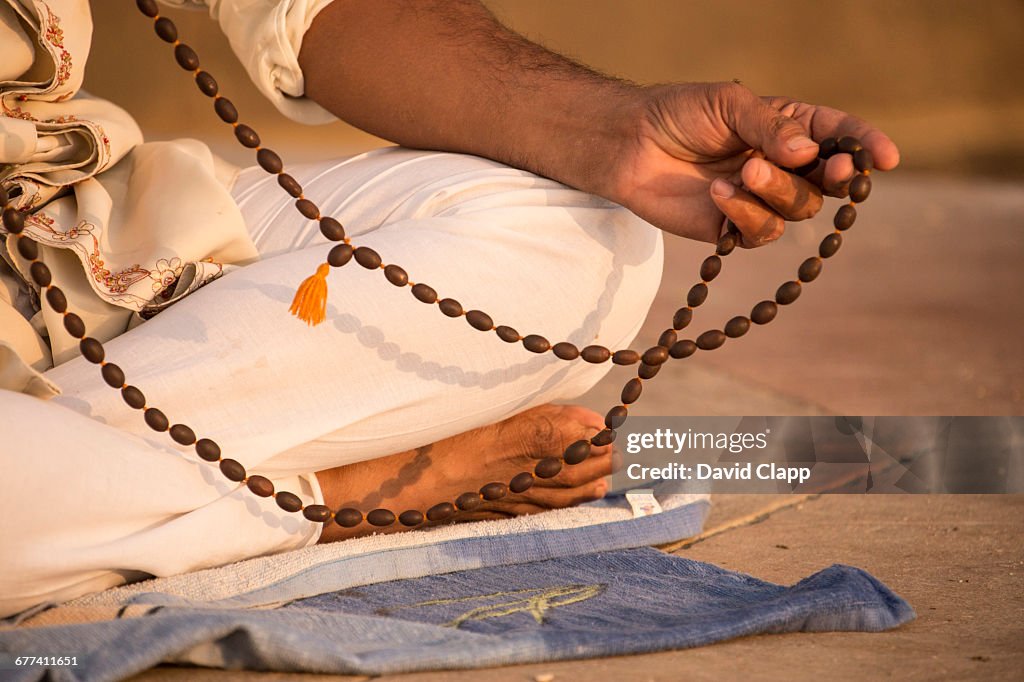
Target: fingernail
721,188
762,174
601,488
800,143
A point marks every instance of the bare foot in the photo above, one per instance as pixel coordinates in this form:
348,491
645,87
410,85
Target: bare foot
440,472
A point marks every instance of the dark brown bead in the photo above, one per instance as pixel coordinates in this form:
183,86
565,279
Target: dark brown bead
737,327
631,391
155,419
348,517
682,318
809,269
494,491
380,517
182,434
410,518
710,268
260,485
506,334
4,198
726,244
711,339
247,136
682,349
863,160
698,294
845,217
655,355
807,168
648,371
269,160
788,292
441,512
92,350
367,257
565,350
828,148
480,320
549,467
625,357
396,275
732,228
289,184
133,397
424,293
207,450
667,338
536,344
40,274
112,375
764,312
595,354
860,187
232,470
290,502
829,245
448,306
28,248
520,483
206,84
332,229
317,513
603,437
14,220
849,145
577,452
339,255
468,501
56,298
166,29
147,7
308,209
616,416
186,57
226,111
74,325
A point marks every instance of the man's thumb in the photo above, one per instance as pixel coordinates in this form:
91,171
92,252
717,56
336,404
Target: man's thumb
782,139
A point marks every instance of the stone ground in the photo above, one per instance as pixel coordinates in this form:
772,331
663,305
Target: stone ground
919,314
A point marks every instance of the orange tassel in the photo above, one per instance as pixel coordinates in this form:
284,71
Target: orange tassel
310,302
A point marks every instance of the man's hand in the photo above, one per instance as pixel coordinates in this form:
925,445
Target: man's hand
703,150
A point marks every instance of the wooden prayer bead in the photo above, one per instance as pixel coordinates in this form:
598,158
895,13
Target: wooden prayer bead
232,470
710,268
667,338
441,512
536,344
133,397
682,349
860,187
521,482
764,312
156,419
112,375
166,29
310,210
682,318
577,452
480,320
698,294
14,220
424,293
348,517
726,244
27,248
260,485
182,434
396,275
56,298
448,306
548,467
207,450
565,350
147,7
186,57
829,245
410,518
290,502
247,136
646,371
289,184
625,357
40,274
809,269
595,354
206,84
828,148
845,217
468,501
737,327
788,292
333,230
631,391
616,416
603,437
849,145
339,255
711,339
269,160
380,518
92,350
226,111
655,355
507,334
494,491
74,325
863,160
317,513
370,259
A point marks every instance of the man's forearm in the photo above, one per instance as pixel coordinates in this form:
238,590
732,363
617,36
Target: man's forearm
444,74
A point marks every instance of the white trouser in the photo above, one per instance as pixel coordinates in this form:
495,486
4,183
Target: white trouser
92,497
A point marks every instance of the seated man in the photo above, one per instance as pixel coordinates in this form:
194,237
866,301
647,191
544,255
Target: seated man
542,205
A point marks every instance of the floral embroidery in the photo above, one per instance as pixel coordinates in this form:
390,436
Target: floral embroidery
167,272
54,35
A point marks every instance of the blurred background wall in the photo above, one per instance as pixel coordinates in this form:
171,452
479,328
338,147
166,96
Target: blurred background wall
941,76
